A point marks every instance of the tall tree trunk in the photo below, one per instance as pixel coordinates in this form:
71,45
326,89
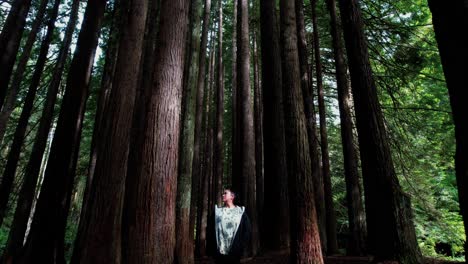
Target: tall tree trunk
245,125
12,94
356,213
203,198
234,118
184,235
452,48
27,193
10,40
391,233
309,108
151,238
276,216
260,181
332,244
196,163
20,132
219,147
305,238
106,86
101,233
52,207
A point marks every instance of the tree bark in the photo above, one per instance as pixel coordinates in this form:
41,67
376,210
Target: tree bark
245,123
356,213
305,239
10,40
332,244
196,163
27,193
151,238
309,108
391,233
276,216
51,211
20,132
100,234
453,54
219,147
234,134
12,94
184,235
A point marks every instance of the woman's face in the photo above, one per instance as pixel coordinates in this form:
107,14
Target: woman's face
227,196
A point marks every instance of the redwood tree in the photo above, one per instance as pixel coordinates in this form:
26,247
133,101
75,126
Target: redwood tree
391,233
452,48
27,192
356,213
150,201
276,187
48,225
332,244
305,238
246,143
101,231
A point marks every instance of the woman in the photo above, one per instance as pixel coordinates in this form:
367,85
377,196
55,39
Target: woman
230,230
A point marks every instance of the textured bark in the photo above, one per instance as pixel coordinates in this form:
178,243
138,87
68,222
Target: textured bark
218,146
12,94
100,234
276,216
246,142
305,238
196,163
234,134
27,192
309,108
20,132
151,200
10,40
356,213
391,233
260,181
452,48
332,244
106,86
184,235
48,225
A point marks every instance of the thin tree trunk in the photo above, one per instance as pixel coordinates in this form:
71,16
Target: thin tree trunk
199,116
245,125
276,216
20,132
10,40
101,237
260,187
391,232
151,237
356,213
309,108
305,238
219,147
27,193
106,86
184,235
12,94
332,244
452,48
51,209
234,118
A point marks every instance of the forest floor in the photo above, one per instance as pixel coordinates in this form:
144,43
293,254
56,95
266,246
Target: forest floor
273,258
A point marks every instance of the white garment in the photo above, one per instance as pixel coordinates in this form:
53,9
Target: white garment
227,222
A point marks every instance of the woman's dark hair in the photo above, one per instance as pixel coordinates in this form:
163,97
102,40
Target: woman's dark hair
233,192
